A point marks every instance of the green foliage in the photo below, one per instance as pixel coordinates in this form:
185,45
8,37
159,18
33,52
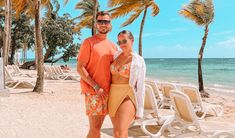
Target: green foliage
2,16
22,32
85,18
58,38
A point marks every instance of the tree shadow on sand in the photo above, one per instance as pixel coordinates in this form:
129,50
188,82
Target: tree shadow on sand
134,132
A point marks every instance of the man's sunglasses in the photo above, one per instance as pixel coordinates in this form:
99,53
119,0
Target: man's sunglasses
124,41
103,22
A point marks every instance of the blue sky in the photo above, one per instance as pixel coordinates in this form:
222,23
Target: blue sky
170,35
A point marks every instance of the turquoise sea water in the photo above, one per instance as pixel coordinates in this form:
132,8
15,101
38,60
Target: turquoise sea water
217,73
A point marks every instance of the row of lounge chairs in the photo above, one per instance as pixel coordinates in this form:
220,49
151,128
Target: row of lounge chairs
28,80
162,94
182,121
56,73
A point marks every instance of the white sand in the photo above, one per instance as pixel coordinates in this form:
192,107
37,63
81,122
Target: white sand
60,112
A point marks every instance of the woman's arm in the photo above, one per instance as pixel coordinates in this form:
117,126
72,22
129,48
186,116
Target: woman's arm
141,89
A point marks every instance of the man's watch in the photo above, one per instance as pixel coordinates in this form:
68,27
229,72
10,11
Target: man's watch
96,87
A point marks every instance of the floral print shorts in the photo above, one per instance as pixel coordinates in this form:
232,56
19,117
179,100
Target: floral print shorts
95,105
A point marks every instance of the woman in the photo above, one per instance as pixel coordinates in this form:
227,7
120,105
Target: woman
126,101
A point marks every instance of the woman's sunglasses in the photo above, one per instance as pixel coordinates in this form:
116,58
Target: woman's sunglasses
103,22
124,41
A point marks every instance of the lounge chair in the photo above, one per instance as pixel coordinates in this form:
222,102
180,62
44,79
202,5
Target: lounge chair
49,74
66,76
12,83
56,73
185,123
198,104
152,115
156,91
18,72
166,88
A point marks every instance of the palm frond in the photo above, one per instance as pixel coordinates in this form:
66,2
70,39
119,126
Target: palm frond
113,3
85,22
132,18
49,9
57,5
83,14
30,11
19,7
201,12
155,8
209,11
84,6
44,2
125,9
187,14
2,3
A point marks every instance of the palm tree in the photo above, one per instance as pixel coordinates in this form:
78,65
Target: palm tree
123,7
39,48
7,28
202,13
87,18
95,9
33,9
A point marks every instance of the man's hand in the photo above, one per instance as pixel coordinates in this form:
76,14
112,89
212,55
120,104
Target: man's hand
101,93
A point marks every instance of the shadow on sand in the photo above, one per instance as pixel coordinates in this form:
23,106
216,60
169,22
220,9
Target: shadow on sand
134,132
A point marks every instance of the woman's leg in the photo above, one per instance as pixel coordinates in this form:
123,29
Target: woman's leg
123,118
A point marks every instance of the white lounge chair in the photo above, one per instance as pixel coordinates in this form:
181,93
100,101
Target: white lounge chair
66,76
18,72
12,83
166,89
56,73
156,91
152,115
198,104
185,123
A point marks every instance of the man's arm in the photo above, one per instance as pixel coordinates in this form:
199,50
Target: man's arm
86,77
84,74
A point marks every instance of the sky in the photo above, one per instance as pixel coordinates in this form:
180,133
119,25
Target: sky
170,35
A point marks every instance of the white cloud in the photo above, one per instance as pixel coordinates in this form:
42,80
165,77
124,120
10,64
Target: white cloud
165,51
223,49
161,32
224,32
227,43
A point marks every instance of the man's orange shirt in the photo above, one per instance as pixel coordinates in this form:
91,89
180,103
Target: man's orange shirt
97,53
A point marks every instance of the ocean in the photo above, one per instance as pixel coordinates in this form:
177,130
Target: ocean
218,73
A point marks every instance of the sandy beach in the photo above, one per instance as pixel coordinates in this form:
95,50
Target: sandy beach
60,112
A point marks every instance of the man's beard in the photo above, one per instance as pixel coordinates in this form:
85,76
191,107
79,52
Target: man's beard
103,32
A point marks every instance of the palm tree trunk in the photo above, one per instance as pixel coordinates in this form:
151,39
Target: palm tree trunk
141,30
200,56
1,40
39,44
13,51
94,17
24,52
7,30
35,48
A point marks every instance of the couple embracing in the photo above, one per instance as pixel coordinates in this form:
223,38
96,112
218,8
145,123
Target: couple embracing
112,80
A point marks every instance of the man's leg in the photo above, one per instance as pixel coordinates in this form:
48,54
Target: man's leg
95,123
96,109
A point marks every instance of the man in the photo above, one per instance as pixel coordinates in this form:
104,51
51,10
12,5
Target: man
94,59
